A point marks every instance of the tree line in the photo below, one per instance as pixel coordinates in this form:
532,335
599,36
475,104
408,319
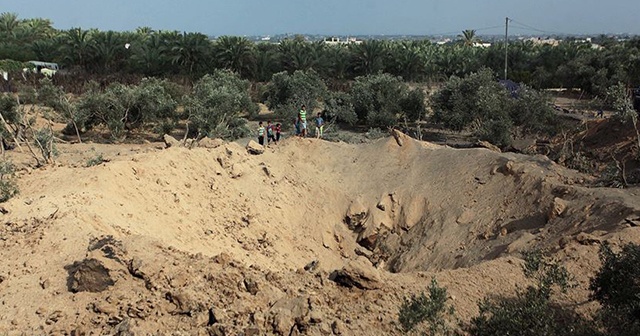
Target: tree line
147,52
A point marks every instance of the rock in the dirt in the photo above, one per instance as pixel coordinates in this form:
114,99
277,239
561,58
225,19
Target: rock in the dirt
310,267
587,239
251,332
356,215
337,327
170,141
465,217
357,274
251,285
183,302
488,145
368,237
398,136
210,143
217,316
254,148
288,313
557,208
88,275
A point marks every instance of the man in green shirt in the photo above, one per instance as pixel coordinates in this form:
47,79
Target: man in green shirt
302,117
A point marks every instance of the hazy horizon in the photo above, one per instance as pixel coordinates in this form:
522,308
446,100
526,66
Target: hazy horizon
333,17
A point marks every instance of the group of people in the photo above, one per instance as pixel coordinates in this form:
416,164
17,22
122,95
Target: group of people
300,124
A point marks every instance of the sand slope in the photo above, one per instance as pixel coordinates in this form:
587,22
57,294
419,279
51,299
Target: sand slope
215,241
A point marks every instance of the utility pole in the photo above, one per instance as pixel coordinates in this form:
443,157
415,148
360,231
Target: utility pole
506,47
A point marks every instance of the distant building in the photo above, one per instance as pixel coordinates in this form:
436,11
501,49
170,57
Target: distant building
337,40
481,44
541,41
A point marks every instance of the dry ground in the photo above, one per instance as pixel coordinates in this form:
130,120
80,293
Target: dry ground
215,241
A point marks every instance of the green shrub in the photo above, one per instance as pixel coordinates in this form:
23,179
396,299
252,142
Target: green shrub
98,159
43,139
287,92
338,106
122,107
216,105
617,289
479,103
531,311
375,133
8,185
432,310
377,99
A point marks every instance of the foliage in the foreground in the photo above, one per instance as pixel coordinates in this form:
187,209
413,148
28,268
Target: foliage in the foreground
125,107
287,92
381,100
478,102
217,104
531,311
96,160
616,287
8,186
431,310
10,113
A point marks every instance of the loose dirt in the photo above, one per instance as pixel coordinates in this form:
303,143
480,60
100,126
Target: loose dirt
310,237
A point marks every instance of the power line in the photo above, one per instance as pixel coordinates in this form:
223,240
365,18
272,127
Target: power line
526,26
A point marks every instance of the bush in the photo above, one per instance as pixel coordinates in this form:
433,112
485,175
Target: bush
216,104
432,310
338,106
98,159
377,99
122,107
531,311
616,287
479,103
287,92
8,186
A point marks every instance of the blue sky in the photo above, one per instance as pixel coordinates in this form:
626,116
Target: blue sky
344,17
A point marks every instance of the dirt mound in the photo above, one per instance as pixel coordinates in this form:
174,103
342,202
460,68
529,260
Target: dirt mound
219,241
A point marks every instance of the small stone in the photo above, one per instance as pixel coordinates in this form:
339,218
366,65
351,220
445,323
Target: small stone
251,331
337,327
254,148
251,285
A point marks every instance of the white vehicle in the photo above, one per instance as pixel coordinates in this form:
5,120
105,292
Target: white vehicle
46,68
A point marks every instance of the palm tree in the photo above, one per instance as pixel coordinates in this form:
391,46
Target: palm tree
297,54
108,48
266,61
8,23
76,46
337,61
149,57
368,57
469,37
235,53
190,50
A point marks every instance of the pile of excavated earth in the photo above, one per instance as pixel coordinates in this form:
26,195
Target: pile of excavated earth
307,237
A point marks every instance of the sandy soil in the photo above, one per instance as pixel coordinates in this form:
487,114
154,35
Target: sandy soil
216,241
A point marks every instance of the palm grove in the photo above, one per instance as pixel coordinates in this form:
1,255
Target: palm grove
164,77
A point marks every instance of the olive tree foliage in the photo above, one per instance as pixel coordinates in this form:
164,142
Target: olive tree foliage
8,185
287,92
125,107
54,97
617,96
617,289
533,311
338,106
10,113
480,104
217,104
381,100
